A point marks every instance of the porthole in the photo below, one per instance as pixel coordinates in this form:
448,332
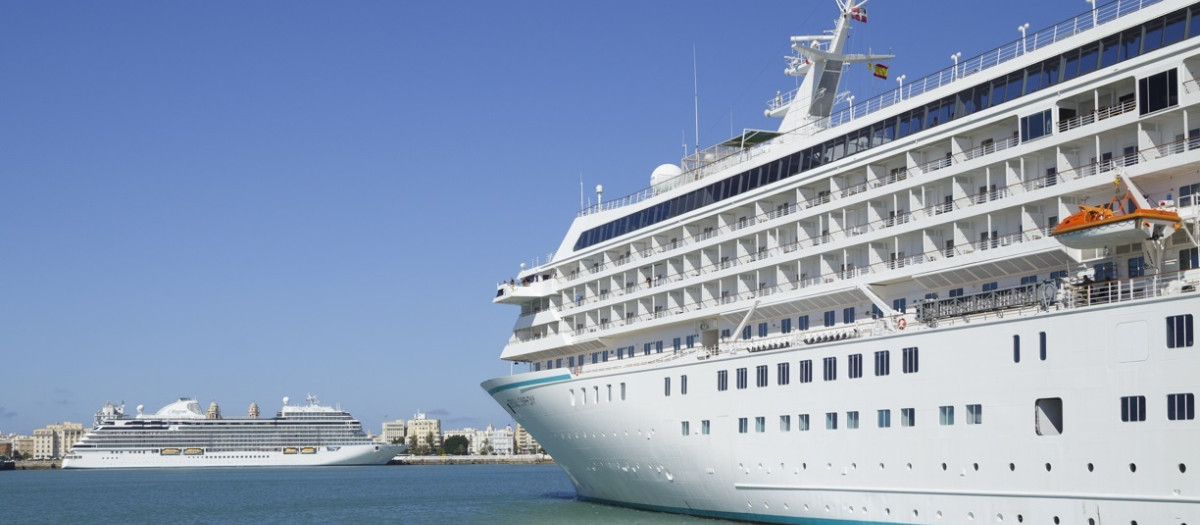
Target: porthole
975,466
1182,468
909,466
915,513
939,514
804,466
999,517
943,466
1091,467
1048,467
854,466
1020,518
1091,521
1056,520
881,466
1012,467
971,516
1133,467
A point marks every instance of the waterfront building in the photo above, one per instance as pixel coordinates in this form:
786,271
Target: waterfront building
23,445
53,441
424,432
6,448
491,441
524,442
393,431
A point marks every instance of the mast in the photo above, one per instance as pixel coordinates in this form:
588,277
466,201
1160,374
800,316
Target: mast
820,59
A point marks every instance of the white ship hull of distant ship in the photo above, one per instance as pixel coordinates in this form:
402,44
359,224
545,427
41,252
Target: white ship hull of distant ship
180,435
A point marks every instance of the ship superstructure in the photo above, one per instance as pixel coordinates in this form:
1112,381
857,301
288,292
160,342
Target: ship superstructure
722,343
181,435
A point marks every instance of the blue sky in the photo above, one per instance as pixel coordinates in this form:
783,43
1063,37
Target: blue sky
245,201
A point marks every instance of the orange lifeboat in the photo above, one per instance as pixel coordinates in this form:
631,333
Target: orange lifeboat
1121,221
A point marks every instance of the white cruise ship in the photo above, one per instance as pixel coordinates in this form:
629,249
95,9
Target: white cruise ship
1016,234
180,435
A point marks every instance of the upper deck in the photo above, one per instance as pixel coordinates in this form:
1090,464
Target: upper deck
736,153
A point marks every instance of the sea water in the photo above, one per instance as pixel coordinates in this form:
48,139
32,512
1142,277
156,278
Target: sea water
443,494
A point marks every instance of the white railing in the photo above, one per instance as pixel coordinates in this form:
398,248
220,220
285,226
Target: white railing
717,158
825,237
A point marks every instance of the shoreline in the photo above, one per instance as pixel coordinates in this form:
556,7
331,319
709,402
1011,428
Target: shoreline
530,459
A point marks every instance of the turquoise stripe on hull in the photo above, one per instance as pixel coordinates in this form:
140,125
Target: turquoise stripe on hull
530,382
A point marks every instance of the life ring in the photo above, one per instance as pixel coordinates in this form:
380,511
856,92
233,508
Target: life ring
902,323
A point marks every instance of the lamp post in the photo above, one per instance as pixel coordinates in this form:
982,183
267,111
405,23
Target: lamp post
850,105
1093,2
1022,29
955,57
900,94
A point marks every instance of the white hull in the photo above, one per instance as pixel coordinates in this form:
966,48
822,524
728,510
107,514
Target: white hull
632,451
377,454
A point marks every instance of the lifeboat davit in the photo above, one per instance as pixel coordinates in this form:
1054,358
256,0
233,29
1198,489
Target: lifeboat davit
1121,221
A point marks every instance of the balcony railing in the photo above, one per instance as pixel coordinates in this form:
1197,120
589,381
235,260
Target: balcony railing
1094,116
717,158
1087,170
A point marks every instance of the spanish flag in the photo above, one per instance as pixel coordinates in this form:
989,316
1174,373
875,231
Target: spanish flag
879,70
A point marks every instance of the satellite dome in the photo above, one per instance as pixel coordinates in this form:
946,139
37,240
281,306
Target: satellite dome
664,174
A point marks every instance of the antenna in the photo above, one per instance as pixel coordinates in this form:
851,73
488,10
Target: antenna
581,190
696,96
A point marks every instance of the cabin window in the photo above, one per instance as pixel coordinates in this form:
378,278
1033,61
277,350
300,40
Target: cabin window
741,378
762,329
743,425
830,368
1042,345
685,428
831,421
883,363
683,385
802,323
974,414
830,318
802,423
722,380
783,373
1133,408
704,427
855,366
946,415
908,417
1016,349
667,386
1179,331
1181,407
760,424
911,365
785,326
852,419
1158,92
806,371
1035,126
760,374
884,419
785,423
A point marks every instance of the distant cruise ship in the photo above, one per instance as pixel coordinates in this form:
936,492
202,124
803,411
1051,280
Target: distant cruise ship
180,435
1019,231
